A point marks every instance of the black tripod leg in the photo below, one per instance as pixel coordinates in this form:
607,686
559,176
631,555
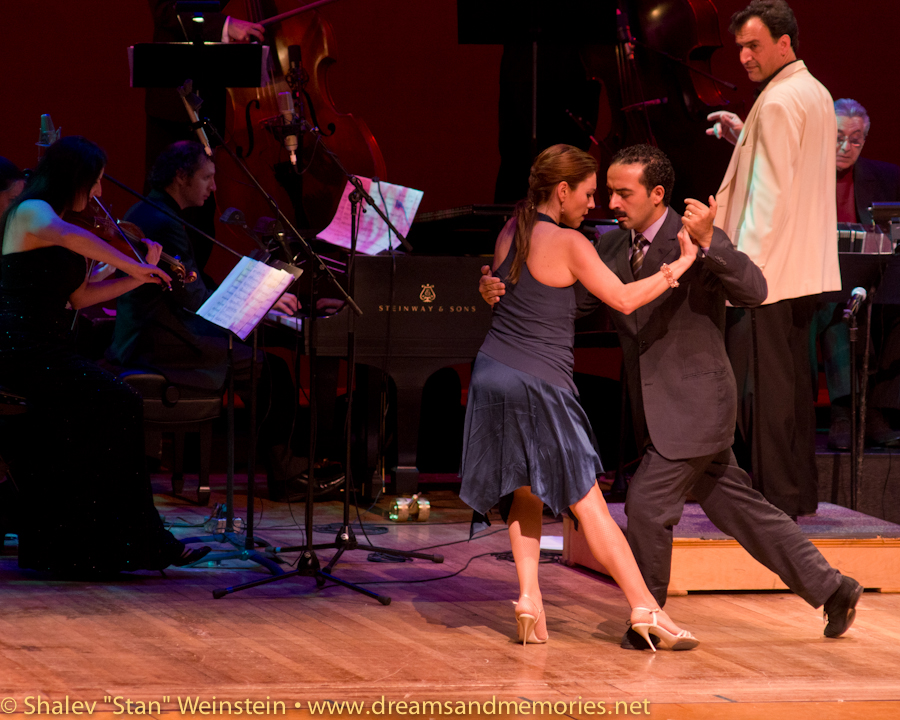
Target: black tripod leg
246,586
308,566
335,558
383,599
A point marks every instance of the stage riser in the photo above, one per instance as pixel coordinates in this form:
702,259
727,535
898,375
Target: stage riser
878,492
864,549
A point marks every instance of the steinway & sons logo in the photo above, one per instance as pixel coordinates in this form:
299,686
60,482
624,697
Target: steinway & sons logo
427,297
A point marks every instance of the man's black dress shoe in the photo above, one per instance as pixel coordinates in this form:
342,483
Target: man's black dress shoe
631,640
840,608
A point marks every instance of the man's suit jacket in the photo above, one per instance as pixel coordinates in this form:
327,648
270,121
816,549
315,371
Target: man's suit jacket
777,199
874,181
684,388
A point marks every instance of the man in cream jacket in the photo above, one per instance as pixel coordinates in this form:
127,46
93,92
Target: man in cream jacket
777,204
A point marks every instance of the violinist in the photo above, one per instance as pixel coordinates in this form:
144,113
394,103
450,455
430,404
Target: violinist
161,330
78,451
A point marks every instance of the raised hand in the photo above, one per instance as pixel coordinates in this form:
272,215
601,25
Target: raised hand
727,125
242,31
491,288
698,219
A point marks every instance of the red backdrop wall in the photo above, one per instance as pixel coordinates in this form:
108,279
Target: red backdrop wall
431,104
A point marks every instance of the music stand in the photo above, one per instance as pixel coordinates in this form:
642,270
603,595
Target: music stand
238,305
345,539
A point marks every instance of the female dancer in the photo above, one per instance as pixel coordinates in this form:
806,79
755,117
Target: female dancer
77,452
527,440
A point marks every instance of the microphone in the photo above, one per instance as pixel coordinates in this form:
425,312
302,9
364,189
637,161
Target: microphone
192,103
49,134
233,216
857,298
286,108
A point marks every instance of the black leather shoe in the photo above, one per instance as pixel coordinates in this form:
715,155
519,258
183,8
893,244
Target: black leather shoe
631,640
840,608
189,556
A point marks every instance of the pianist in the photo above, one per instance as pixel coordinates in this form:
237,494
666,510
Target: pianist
160,331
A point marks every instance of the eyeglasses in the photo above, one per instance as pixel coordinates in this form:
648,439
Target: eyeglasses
854,141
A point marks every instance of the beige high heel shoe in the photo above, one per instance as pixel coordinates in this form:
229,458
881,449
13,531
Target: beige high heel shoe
525,624
667,641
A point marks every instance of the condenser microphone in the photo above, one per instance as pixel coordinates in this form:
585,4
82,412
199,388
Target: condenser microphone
857,298
286,108
49,134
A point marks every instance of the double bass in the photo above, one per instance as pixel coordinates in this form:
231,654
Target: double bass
310,191
659,88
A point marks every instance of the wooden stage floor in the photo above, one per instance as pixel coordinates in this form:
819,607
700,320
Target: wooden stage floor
146,637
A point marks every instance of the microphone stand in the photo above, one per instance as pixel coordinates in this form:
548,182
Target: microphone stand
345,540
858,400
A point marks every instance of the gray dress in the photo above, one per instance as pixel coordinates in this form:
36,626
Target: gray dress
524,423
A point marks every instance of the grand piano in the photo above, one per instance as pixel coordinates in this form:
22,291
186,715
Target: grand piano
423,312
419,314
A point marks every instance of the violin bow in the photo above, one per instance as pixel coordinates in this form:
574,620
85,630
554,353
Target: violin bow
290,13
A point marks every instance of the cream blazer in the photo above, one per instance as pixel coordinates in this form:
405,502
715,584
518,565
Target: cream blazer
777,200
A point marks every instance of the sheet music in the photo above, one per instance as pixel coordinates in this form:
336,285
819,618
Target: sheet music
244,297
402,204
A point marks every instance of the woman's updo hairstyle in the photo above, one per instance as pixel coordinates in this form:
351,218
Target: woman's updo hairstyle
67,171
558,163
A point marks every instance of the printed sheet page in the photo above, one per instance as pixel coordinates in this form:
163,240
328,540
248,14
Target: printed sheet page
245,296
397,202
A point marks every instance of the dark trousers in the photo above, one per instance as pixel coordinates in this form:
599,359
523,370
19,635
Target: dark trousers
655,502
769,351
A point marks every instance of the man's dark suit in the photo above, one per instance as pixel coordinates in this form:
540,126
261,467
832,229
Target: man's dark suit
682,386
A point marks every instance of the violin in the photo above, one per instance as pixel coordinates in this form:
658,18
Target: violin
125,236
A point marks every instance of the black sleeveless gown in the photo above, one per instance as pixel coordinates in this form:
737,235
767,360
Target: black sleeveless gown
77,453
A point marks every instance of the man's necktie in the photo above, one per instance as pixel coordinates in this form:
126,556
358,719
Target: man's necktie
637,254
